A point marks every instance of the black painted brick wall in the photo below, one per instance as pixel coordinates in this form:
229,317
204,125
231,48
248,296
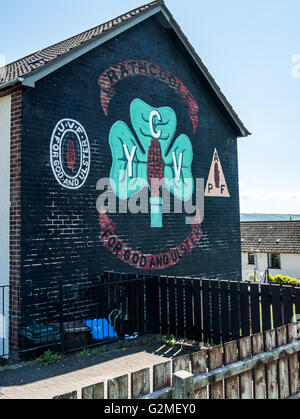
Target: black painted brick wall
60,227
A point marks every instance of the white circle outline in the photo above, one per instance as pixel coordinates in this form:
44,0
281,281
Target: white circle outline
60,152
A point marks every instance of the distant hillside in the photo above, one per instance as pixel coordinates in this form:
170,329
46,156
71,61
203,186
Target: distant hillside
270,217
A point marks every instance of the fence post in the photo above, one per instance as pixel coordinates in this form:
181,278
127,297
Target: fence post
183,386
67,396
61,316
94,392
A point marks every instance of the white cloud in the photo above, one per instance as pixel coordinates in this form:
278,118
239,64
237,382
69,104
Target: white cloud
296,67
242,184
252,193
279,195
272,201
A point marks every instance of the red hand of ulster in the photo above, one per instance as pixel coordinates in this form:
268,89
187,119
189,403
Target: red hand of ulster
155,169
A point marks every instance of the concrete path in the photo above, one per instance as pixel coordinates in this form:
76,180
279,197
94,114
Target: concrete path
73,373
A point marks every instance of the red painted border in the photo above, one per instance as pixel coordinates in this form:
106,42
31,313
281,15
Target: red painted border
132,68
147,262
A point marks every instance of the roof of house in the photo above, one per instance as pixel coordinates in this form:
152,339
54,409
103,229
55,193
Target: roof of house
38,59
270,236
32,68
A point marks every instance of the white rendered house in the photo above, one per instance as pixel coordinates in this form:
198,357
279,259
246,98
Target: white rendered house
271,245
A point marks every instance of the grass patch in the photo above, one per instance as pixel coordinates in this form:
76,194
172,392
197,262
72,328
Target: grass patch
171,341
49,358
83,354
99,351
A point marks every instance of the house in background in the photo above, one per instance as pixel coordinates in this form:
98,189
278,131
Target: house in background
271,245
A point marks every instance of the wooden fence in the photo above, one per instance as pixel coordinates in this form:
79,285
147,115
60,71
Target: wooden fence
210,310
264,366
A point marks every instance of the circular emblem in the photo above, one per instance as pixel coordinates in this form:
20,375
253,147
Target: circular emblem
70,154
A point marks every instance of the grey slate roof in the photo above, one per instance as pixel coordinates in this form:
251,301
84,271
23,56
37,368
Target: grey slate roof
22,67
271,236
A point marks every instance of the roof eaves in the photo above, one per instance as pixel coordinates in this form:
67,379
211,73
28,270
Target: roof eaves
11,83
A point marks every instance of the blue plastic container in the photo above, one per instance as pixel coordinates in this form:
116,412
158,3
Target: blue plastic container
101,329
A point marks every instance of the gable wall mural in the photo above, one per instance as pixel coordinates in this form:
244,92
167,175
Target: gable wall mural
132,111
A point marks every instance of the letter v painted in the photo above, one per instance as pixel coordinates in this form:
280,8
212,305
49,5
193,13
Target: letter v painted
177,167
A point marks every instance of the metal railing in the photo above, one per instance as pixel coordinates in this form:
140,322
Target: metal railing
4,315
74,316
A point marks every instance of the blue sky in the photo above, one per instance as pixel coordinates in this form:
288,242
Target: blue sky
248,46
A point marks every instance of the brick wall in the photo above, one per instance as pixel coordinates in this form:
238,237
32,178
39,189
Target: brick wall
60,227
15,217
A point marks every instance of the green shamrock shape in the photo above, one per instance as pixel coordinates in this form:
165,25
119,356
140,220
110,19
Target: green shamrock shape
149,159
